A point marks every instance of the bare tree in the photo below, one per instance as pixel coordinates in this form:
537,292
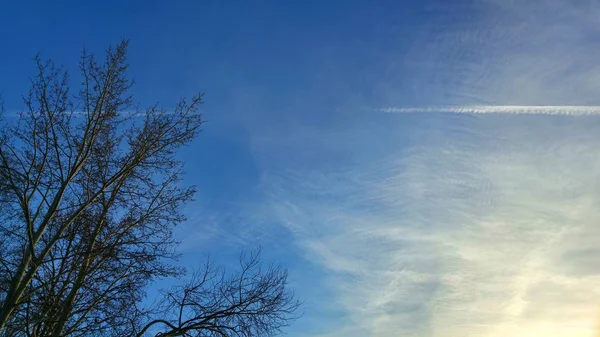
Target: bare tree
89,194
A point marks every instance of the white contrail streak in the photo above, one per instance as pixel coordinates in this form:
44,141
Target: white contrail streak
565,110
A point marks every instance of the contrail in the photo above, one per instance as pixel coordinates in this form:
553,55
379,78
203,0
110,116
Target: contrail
564,110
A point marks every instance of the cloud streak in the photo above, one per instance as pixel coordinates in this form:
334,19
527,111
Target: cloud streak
556,110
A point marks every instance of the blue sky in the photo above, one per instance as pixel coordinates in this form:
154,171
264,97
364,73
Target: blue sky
412,224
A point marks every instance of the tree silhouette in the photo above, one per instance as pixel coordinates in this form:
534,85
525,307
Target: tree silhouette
90,190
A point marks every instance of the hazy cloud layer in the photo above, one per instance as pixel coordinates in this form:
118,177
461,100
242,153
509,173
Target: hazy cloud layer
485,228
458,225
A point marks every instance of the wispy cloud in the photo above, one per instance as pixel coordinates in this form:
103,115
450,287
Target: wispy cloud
483,232
503,52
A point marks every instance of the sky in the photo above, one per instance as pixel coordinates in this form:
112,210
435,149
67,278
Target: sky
341,137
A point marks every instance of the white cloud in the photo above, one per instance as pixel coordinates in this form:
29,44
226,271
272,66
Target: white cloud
483,231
